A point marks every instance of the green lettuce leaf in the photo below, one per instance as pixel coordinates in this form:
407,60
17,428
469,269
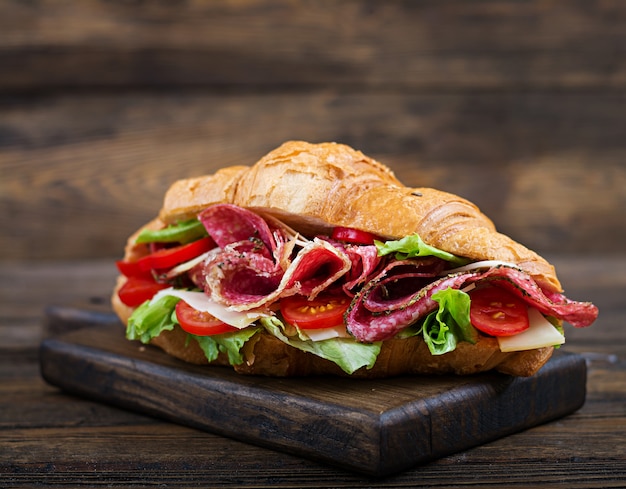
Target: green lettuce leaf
347,353
454,309
209,346
412,246
181,232
229,343
151,318
450,323
438,335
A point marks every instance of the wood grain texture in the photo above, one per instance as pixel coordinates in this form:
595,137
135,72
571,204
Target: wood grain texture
405,45
518,106
49,438
81,173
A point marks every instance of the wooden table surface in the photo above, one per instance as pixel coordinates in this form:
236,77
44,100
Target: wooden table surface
50,438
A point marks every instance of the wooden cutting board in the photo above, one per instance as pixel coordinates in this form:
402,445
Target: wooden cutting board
374,427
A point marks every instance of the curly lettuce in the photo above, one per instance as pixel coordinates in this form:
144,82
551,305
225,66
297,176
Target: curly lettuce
151,318
412,246
450,323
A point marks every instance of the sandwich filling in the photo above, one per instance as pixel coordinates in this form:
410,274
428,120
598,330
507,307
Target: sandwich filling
233,273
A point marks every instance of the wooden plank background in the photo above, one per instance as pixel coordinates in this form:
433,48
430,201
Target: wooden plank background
519,106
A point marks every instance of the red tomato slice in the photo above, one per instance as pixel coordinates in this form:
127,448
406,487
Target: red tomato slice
498,312
137,290
170,257
354,236
321,312
131,269
199,323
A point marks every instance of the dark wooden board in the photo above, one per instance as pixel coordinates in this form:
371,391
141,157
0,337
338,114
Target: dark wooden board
374,427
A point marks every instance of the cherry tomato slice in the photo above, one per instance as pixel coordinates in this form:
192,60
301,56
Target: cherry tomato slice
321,312
198,322
498,312
354,236
137,290
170,257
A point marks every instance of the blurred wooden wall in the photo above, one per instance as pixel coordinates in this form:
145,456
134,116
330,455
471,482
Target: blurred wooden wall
519,106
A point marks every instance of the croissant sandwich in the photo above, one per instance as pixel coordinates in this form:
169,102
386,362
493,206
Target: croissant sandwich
317,260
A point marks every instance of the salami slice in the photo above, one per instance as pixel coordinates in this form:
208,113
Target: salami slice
368,326
316,267
241,273
368,322
399,281
244,279
227,224
364,262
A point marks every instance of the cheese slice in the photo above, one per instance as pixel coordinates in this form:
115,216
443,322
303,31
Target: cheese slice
327,333
540,333
201,302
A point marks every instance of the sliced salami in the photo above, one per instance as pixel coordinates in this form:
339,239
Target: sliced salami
399,281
256,264
364,262
316,267
227,224
368,323
241,273
244,279
368,326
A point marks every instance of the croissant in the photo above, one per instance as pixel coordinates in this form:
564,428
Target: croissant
313,189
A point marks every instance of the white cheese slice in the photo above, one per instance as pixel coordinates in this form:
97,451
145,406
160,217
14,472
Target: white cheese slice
201,302
327,333
540,333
